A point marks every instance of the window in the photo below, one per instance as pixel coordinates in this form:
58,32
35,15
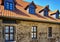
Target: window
9,5
50,32
9,21
45,12
9,33
31,9
34,32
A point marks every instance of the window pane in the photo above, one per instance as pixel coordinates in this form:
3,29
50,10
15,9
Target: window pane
50,32
11,6
34,29
32,35
7,5
6,36
11,29
11,36
7,29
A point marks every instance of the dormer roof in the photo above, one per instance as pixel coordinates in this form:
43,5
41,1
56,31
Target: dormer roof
54,12
47,7
32,3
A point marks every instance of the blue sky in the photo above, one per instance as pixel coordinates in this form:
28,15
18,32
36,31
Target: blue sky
53,4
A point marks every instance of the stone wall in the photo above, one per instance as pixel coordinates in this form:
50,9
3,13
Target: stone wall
23,31
1,31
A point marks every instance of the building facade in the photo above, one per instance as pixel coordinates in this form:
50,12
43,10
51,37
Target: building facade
26,22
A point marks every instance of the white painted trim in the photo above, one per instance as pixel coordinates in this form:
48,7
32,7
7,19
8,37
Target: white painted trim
42,13
54,16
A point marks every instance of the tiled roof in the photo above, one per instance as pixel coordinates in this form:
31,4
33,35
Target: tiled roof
20,13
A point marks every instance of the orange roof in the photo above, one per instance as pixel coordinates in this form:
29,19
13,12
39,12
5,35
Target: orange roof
23,14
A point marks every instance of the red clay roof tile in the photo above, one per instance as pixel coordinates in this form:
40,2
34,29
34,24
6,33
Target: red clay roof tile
21,13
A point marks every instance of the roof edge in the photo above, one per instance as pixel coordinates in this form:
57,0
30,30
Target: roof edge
26,19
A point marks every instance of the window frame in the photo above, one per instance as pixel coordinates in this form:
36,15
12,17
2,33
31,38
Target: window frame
31,9
34,32
50,36
9,8
9,33
45,12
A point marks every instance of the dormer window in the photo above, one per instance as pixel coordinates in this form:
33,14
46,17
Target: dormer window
31,8
9,5
44,11
56,14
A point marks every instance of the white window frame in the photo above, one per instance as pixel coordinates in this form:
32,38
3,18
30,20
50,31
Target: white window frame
34,32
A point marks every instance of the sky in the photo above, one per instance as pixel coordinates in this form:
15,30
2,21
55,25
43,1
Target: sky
53,4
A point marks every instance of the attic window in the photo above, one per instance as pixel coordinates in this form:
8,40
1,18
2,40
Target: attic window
9,6
31,8
45,12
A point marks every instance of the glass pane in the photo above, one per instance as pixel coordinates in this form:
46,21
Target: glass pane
11,36
7,5
6,36
35,29
7,29
50,31
32,29
32,35
11,6
11,29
